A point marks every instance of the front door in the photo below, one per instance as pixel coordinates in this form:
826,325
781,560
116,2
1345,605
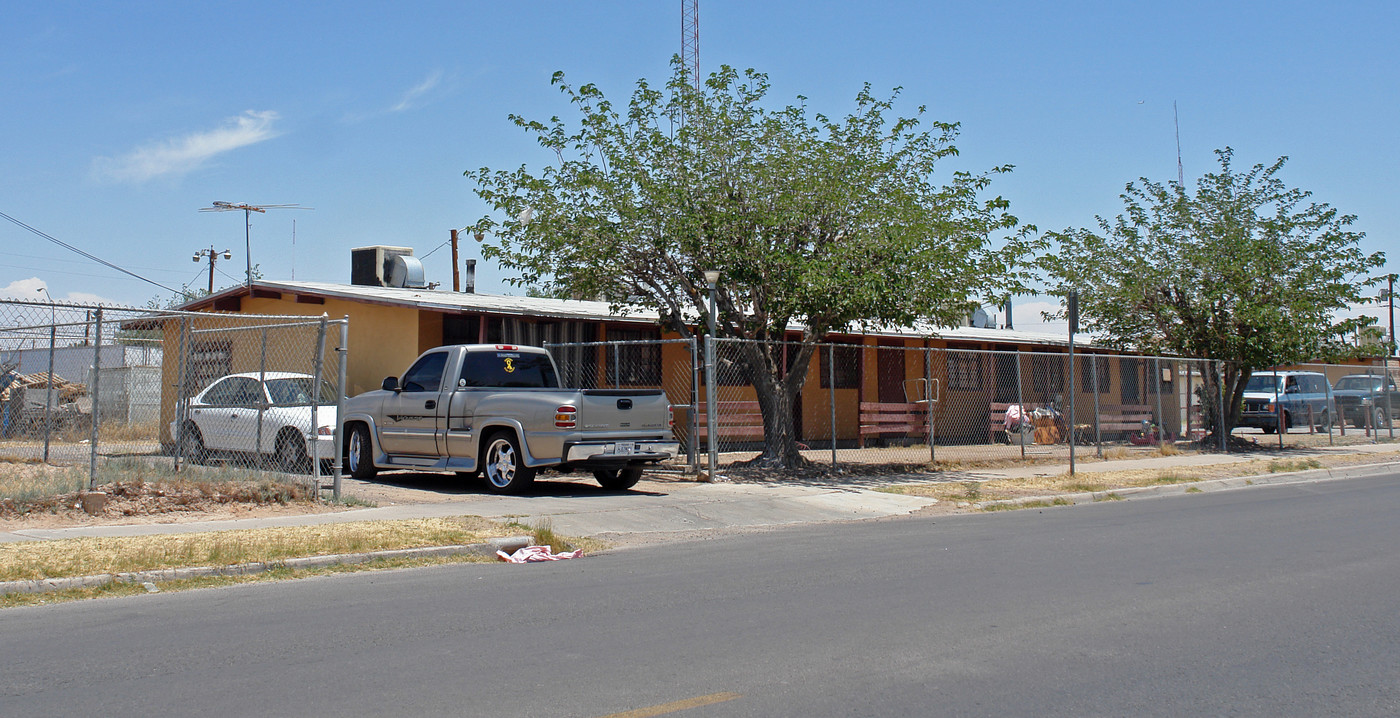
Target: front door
889,367
411,414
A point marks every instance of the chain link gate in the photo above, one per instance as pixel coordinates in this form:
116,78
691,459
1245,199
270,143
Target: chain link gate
91,384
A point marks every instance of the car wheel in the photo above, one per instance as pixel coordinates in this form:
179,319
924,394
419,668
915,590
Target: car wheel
1324,423
192,445
1382,419
618,479
1267,429
359,454
291,452
504,465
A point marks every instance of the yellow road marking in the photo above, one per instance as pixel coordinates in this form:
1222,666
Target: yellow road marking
674,706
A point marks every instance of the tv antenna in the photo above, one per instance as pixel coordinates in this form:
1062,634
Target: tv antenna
248,210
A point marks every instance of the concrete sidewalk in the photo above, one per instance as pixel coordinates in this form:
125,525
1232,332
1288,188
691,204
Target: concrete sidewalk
662,506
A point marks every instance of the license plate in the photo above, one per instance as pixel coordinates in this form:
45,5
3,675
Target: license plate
624,448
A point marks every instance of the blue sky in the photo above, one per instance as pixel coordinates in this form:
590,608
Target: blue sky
122,120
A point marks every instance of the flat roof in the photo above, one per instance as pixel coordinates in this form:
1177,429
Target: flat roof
581,309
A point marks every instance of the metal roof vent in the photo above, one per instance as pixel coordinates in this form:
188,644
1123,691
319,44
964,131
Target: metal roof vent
406,272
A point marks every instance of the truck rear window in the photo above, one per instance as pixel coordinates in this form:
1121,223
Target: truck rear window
508,369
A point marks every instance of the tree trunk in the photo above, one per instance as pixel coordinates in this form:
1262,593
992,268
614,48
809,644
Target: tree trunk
777,398
1233,382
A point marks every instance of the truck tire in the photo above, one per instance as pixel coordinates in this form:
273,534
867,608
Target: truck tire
618,479
359,453
1382,420
503,464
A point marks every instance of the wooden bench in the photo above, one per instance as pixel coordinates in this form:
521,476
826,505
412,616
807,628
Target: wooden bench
1122,418
880,419
733,419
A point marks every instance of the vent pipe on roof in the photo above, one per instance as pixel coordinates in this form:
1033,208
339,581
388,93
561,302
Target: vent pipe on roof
470,287
1008,314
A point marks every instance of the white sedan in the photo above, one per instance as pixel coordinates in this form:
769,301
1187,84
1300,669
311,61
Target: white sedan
263,414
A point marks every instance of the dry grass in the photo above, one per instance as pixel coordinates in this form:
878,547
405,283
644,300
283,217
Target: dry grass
91,556
1099,481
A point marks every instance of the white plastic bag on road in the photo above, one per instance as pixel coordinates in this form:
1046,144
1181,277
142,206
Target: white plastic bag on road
532,554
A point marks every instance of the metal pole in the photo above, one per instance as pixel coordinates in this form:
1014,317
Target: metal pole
831,395
1332,419
1278,408
1389,407
262,387
248,250
1098,436
315,403
181,402
694,452
342,350
96,405
1161,419
1371,415
1220,395
48,399
928,391
1021,404
1071,402
711,420
1190,366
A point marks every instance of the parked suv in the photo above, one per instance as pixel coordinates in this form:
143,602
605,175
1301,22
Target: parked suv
1367,399
1297,392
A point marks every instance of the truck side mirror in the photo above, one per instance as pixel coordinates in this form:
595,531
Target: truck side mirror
391,383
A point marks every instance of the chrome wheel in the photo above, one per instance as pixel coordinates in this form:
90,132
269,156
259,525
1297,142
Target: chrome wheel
504,466
359,460
291,454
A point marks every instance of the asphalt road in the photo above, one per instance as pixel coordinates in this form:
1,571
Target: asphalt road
1273,601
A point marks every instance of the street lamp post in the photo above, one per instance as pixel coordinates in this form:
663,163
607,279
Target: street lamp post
712,280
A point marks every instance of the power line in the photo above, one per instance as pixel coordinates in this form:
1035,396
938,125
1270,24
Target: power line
94,258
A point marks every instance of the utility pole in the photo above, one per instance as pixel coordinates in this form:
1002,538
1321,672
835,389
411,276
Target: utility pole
456,274
213,256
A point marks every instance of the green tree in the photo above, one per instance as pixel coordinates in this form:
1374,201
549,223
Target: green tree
1245,270
819,223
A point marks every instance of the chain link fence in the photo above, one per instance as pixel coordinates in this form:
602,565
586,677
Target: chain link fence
673,365
86,384
864,405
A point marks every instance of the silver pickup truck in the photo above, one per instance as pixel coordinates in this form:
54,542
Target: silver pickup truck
499,410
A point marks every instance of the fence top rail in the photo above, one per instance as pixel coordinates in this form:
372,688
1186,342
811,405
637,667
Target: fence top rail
1079,352
260,327
619,342
147,312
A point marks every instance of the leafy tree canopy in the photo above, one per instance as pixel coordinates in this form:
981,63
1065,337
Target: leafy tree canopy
824,222
1245,270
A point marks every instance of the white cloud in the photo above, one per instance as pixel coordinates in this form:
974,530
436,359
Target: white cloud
28,289
24,289
179,155
414,93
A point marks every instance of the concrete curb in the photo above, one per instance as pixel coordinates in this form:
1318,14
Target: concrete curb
45,585
1234,482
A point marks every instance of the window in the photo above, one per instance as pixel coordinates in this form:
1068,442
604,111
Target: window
426,373
507,369
1047,377
1129,379
964,371
847,369
634,364
1086,374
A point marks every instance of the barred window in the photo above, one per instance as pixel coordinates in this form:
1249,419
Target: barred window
846,369
964,371
634,364
1086,374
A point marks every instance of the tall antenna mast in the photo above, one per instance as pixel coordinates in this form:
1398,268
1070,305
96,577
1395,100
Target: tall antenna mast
1180,176
247,210
690,39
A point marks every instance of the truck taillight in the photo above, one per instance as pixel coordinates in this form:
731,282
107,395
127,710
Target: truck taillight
565,417
671,416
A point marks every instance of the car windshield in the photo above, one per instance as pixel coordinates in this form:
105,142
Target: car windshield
1359,383
1263,383
296,391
